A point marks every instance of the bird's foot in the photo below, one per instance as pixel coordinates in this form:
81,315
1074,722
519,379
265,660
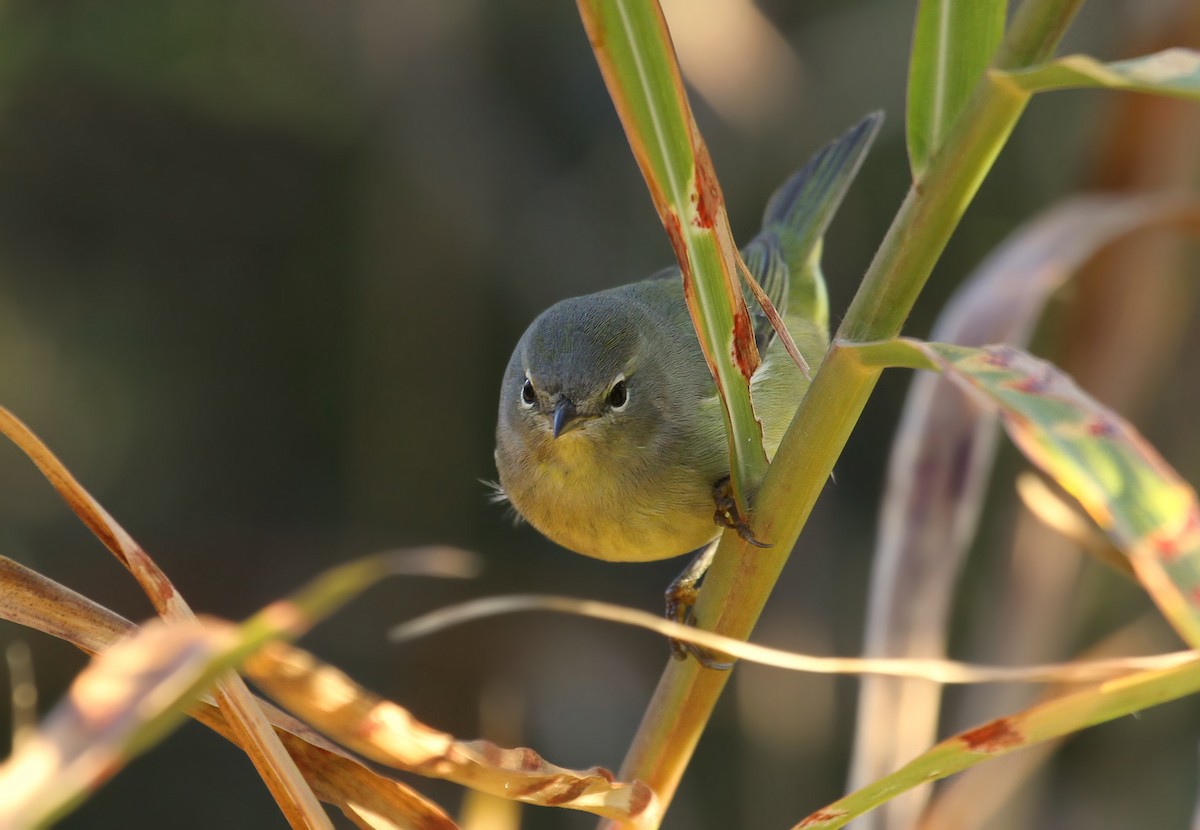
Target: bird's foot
728,515
681,596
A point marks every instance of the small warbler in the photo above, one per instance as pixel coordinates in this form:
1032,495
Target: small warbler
610,438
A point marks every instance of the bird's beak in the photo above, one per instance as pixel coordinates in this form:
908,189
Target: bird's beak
564,414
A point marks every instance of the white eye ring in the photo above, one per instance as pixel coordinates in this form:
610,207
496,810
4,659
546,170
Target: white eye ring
528,394
618,394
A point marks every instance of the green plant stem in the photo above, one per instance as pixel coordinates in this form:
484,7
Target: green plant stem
1047,22
742,577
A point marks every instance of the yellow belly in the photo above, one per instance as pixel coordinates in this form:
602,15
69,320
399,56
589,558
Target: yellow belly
575,500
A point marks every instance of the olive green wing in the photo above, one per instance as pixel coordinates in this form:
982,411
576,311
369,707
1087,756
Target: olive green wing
785,257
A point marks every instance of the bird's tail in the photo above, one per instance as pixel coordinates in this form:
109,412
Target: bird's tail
786,256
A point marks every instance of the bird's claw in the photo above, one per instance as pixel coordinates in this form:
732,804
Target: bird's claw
681,596
727,513
705,657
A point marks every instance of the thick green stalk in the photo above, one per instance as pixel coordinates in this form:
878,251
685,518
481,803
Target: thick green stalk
742,577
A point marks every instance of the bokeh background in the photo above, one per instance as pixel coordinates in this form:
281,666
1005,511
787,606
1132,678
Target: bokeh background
262,264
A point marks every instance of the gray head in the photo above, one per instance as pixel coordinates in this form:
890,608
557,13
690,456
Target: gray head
577,371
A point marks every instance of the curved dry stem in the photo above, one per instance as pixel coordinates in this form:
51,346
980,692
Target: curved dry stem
938,671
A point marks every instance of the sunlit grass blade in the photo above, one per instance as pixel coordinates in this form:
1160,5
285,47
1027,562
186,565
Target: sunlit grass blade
942,459
1053,719
952,45
327,592
1127,488
386,733
1173,72
127,699
937,671
633,47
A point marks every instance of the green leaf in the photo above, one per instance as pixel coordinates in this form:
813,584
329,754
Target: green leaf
634,51
1121,481
1148,511
1174,72
953,43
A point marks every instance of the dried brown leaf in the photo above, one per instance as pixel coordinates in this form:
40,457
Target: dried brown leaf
387,733
38,602
285,782
368,798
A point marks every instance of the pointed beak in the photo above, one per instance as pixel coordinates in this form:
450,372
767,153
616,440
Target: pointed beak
564,414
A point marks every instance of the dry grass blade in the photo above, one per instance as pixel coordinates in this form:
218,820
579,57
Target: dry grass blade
369,799
287,786
936,671
38,602
126,698
777,323
153,581
388,734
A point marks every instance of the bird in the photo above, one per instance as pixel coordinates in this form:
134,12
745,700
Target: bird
610,438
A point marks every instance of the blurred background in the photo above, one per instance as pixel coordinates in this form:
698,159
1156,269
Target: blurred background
262,264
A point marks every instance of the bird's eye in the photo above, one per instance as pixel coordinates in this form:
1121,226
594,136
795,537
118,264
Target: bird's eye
618,395
528,395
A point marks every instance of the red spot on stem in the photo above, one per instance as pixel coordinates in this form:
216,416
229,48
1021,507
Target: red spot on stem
1102,428
708,190
594,25
820,817
998,357
675,234
1033,385
992,737
745,353
640,797
1192,524
1166,546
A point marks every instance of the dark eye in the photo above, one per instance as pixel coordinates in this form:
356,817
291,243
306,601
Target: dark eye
528,395
618,395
